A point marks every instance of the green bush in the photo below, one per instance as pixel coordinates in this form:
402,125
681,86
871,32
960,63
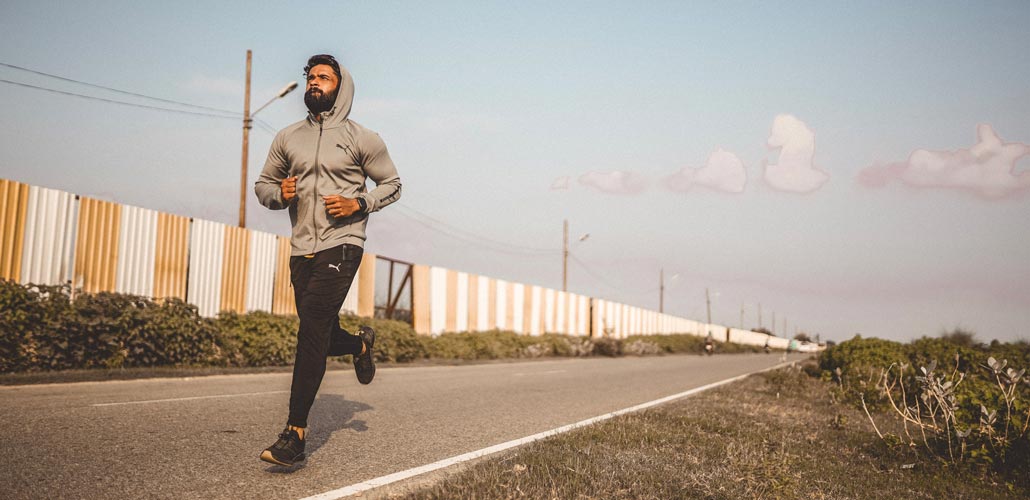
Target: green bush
173,333
640,347
23,317
685,344
396,341
672,344
494,344
731,348
49,328
42,327
608,346
858,356
973,410
553,344
256,338
947,353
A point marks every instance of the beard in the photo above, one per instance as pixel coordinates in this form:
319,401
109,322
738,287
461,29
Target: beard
318,101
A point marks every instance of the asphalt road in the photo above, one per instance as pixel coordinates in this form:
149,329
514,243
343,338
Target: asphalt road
200,437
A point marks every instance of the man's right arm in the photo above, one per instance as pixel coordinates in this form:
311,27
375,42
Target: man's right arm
268,186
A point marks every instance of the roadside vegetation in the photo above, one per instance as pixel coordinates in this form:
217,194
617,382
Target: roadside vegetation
950,400
48,328
781,434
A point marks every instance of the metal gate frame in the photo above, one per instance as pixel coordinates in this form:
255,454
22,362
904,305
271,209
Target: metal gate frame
390,311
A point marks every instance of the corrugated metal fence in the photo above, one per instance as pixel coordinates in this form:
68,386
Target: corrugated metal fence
51,237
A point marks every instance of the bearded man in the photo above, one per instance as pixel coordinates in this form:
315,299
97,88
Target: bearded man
317,169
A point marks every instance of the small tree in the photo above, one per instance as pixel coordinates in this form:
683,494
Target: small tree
960,337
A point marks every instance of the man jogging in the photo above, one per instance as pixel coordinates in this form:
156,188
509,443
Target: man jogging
317,169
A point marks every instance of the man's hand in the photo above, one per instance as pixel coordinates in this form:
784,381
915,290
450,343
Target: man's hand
338,206
288,186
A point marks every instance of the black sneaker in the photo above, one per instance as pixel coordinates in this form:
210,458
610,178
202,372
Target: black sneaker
288,450
364,365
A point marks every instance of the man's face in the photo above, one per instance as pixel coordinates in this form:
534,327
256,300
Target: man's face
321,90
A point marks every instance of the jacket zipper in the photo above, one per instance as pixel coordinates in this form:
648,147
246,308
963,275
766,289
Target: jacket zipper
314,213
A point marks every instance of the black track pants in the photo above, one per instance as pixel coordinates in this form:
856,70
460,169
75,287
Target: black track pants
320,285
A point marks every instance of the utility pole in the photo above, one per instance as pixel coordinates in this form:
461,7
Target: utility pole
708,304
741,315
661,290
759,315
774,323
565,256
246,147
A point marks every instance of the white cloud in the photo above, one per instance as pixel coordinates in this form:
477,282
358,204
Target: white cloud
723,171
986,169
794,171
561,184
615,182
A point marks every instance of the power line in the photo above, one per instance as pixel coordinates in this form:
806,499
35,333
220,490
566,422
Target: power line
264,126
126,92
479,240
604,281
260,123
472,240
113,101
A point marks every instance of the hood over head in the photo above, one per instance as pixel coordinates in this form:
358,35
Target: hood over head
338,114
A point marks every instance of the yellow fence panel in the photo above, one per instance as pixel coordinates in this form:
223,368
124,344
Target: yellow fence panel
96,248
234,269
282,296
420,307
14,198
171,257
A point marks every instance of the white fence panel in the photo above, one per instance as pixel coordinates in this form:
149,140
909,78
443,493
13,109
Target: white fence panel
518,292
536,309
47,252
261,271
483,304
501,306
207,247
438,299
137,239
461,319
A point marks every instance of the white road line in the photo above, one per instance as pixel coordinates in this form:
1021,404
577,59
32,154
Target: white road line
447,462
123,403
551,372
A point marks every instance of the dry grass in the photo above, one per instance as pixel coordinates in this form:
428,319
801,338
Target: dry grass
775,435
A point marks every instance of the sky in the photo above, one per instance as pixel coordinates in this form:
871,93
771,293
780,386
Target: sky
845,167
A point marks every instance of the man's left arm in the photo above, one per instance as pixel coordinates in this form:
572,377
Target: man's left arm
380,168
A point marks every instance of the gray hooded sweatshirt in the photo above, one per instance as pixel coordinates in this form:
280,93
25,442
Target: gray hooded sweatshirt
334,156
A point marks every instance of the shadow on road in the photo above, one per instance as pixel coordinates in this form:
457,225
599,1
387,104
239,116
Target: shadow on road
329,414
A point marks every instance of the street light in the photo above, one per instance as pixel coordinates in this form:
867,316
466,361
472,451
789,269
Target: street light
247,119
708,305
661,288
282,93
565,254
